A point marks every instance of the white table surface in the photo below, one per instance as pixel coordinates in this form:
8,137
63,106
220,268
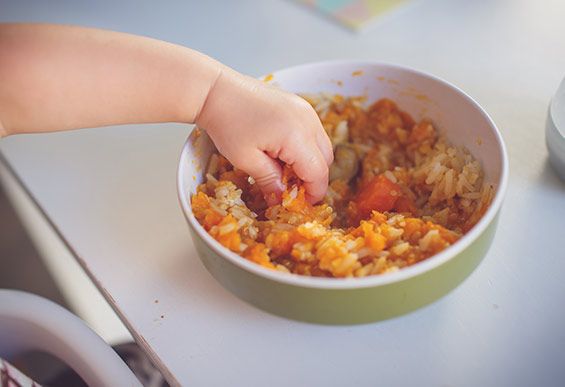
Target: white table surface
111,194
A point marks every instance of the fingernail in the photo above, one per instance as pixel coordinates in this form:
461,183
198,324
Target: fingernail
281,187
273,198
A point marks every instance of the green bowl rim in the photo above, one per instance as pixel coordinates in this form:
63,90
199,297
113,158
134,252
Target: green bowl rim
370,281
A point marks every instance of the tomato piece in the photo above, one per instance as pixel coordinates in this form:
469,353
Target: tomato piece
404,204
380,194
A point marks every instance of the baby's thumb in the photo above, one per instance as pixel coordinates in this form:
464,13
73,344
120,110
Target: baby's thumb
267,174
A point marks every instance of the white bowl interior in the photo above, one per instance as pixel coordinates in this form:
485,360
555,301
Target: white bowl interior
423,96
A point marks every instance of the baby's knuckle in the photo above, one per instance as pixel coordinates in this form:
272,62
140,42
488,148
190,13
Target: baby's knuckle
300,102
266,179
317,166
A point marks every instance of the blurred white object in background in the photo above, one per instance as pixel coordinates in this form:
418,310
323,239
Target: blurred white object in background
79,291
29,322
555,131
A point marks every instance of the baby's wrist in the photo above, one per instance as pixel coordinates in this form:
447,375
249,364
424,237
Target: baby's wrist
197,75
3,132
219,92
202,117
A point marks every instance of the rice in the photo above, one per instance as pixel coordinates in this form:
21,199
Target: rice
399,193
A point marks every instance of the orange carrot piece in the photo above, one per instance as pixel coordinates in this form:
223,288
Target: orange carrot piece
380,194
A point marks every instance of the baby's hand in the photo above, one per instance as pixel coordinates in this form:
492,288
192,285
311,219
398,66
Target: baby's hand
254,125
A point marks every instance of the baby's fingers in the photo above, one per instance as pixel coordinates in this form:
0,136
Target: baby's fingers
325,146
310,166
267,174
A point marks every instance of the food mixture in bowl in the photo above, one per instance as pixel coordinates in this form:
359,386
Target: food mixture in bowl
398,194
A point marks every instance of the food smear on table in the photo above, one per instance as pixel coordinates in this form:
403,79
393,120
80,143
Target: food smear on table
398,194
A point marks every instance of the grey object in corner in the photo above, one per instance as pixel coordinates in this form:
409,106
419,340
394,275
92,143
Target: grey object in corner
555,131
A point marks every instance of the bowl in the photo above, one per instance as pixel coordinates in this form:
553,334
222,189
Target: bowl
373,298
555,131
